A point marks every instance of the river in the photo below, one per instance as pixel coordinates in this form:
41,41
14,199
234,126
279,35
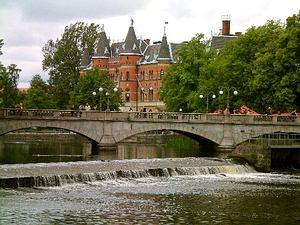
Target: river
252,198
223,195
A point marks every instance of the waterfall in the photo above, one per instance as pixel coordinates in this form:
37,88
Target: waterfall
60,180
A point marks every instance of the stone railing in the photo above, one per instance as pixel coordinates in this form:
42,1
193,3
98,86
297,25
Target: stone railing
146,116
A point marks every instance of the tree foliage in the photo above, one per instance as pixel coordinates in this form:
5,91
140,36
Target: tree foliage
62,59
91,82
8,85
9,77
262,65
181,81
38,96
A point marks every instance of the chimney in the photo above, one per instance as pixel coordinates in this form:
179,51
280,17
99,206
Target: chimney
147,41
226,25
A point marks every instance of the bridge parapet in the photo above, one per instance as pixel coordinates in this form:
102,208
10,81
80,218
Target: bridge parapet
146,116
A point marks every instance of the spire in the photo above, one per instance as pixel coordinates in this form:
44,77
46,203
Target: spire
164,51
85,59
131,45
102,48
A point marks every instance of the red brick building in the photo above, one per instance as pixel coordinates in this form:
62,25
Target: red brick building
135,65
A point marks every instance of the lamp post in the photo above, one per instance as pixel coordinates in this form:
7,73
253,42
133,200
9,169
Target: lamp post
107,95
221,92
100,91
207,96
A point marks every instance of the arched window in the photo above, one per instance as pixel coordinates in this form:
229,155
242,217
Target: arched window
150,98
127,75
127,95
142,93
161,73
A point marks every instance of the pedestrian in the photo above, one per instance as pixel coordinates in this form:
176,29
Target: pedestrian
87,107
20,108
269,111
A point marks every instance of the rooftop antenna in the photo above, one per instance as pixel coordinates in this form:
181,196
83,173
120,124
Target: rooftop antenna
165,28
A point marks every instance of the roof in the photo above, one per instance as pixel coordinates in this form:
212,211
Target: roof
164,51
150,54
132,45
85,59
218,42
160,51
102,48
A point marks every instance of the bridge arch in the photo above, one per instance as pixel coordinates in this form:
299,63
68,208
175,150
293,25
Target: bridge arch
25,124
187,130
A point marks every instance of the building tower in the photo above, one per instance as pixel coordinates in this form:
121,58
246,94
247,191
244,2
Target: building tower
102,53
128,58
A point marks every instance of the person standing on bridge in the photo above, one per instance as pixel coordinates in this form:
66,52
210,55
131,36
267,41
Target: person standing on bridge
20,108
269,111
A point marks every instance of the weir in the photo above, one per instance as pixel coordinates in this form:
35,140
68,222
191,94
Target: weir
59,178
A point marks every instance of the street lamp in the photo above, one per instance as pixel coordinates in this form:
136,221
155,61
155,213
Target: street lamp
107,95
100,91
212,95
221,92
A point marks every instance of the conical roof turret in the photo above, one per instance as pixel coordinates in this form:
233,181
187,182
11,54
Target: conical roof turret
164,51
102,47
131,42
85,59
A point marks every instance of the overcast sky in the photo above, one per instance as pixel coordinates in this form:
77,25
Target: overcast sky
26,25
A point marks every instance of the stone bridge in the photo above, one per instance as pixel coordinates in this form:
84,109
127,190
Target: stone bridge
110,128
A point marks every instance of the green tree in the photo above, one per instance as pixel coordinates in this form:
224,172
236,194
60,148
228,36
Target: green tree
8,85
9,77
238,65
91,82
62,59
38,94
263,64
182,81
287,65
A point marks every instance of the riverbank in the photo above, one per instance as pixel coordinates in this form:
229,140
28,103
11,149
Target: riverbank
56,174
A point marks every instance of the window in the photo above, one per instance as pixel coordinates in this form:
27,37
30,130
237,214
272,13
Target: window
150,94
151,74
127,75
161,73
142,95
143,75
127,95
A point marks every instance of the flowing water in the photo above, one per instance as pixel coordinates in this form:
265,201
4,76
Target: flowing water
210,194
13,150
249,198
